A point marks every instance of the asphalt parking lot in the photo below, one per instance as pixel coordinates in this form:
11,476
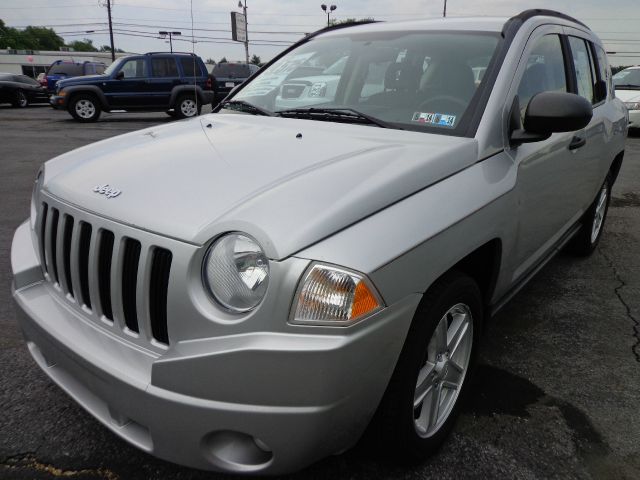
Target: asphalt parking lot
557,394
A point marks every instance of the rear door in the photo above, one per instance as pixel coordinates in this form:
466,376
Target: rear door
591,83
164,76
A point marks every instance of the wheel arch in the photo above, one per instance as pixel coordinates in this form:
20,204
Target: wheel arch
614,170
185,89
483,266
90,90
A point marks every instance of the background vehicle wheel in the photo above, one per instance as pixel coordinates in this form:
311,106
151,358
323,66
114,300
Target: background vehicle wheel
20,100
84,108
587,238
432,375
187,107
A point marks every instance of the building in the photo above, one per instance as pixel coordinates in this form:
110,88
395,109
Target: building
33,62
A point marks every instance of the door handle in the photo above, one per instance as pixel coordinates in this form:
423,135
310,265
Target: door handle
577,142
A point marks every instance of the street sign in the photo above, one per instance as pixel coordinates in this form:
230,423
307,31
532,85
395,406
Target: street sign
238,27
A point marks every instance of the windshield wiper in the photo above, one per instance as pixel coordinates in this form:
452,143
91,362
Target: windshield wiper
342,114
627,85
247,107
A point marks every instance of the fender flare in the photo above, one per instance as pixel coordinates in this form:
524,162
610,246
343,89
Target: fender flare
177,91
94,90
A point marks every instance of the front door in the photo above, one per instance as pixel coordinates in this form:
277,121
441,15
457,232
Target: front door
130,90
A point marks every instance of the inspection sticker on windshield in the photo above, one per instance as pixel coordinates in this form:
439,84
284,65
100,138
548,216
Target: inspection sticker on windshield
439,119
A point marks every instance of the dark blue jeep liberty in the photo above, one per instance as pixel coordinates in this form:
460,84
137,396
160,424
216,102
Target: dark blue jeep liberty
177,83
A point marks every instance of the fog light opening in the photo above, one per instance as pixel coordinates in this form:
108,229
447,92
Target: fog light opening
236,451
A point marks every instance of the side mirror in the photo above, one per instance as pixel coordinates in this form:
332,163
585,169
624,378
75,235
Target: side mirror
120,75
552,112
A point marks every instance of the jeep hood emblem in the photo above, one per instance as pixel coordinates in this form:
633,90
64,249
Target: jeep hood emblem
107,191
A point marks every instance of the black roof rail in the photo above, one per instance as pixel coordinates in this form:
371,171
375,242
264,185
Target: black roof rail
171,53
540,12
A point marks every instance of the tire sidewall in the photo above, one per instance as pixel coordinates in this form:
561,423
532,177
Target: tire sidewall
21,100
408,445
90,98
178,106
592,214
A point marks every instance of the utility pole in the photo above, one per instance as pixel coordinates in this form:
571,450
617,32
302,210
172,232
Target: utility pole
444,12
246,28
163,34
113,50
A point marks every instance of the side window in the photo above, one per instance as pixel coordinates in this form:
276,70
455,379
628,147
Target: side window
188,66
544,72
583,66
604,71
164,67
133,68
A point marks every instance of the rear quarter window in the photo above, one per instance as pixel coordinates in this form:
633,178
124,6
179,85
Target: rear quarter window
190,66
231,70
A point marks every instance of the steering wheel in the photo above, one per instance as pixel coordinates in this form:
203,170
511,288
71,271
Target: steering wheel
447,99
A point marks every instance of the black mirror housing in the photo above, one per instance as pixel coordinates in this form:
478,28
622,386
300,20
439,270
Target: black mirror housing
551,112
120,75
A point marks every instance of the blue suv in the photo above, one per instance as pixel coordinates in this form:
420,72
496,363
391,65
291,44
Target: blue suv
62,69
177,83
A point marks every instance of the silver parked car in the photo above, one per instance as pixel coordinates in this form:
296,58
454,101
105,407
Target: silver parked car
250,290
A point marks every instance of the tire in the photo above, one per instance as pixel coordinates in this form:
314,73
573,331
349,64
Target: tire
84,108
187,107
588,237
20,100
405,425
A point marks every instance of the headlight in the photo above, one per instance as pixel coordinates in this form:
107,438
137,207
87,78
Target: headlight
37,185
236,272
334,296
632,105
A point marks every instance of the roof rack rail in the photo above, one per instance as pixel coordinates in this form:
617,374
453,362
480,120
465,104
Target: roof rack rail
543,12
171,53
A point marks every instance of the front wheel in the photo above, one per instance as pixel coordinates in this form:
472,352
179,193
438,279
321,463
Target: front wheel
433,372
587,238
84,108
20,100
187,107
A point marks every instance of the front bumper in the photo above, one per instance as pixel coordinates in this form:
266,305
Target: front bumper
634,118
318,392
58,102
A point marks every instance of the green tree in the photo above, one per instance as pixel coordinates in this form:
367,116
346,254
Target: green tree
350,20
85,45
31,38
223,60
210,61
256,60
107,48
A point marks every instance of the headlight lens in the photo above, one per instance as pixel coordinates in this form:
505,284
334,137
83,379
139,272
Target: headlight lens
334,296
236,272
632,105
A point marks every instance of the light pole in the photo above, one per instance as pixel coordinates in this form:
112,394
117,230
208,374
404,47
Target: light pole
246,28
163,34
444,12
328,10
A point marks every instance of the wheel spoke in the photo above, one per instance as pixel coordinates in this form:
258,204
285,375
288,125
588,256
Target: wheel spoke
454,373
441,336
458,331
434,409
424,384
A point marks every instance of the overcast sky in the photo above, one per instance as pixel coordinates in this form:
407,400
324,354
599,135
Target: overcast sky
615,21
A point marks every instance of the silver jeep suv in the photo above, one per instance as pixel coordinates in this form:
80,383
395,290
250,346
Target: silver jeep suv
250,290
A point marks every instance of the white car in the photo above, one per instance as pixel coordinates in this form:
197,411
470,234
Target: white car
627,85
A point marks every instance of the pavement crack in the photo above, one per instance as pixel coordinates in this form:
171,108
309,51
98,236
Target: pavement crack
635,348
28,461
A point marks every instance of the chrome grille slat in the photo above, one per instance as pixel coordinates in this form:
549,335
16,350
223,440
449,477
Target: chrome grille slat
42,224
130,265
84,248
112,278
66,253
105,253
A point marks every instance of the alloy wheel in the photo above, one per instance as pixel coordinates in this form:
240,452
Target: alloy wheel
85,108
598,218
440,378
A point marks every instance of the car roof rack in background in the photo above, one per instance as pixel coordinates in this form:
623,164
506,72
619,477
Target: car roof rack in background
543,12
171,53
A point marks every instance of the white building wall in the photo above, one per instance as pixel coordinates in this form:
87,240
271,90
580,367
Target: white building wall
40,60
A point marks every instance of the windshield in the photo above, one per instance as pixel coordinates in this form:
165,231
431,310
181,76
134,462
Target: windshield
68,69
114,66
411,80
231,70
627,78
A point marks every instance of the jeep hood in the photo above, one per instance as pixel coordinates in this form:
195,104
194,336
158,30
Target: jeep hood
287,182
79,80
